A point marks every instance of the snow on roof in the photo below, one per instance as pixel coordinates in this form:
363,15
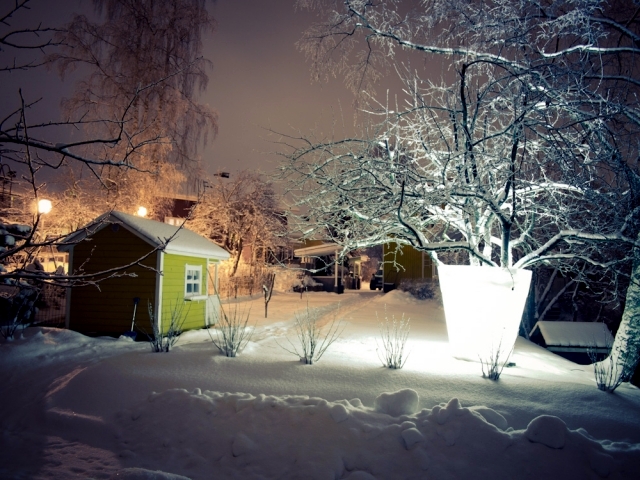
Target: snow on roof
185,241
318,250
574,334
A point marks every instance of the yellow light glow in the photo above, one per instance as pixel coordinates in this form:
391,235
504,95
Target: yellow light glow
44,206
483,308
142,212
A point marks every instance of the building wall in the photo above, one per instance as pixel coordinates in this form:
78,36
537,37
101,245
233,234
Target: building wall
109,309
173,302
410,263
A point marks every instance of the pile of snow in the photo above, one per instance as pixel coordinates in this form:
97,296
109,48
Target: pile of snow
233,435
79,407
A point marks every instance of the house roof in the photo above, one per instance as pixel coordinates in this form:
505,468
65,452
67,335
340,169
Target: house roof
318,250
574,334
181,241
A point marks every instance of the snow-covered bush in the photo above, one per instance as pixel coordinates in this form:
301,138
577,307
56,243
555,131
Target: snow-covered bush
421,289
18,297
163,342
305,284
17,309
394,335
231,331
313,337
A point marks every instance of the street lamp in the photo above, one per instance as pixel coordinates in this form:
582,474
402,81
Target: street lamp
44,206
142,212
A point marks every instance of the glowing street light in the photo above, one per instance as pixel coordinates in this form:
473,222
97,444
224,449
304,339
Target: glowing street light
142,212
44,206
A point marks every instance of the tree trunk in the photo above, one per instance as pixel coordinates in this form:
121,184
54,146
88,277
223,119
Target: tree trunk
625,351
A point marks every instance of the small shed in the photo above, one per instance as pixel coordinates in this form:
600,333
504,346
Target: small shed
573,340
180,276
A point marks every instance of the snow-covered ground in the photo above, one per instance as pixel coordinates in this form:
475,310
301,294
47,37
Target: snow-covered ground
79,407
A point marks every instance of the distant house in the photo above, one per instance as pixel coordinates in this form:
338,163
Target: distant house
320,256
403,262
573,340
184,272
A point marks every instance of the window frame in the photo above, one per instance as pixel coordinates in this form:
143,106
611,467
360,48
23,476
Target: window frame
188,268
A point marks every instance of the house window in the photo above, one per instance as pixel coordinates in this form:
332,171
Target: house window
193,280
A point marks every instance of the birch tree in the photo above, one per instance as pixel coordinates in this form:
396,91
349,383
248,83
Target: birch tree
525,153
131,44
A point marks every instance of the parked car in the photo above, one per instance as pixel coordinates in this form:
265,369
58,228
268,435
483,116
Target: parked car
377,280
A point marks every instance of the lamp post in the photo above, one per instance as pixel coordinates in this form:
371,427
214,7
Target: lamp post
44,207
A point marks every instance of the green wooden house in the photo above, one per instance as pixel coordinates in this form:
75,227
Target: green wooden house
171,269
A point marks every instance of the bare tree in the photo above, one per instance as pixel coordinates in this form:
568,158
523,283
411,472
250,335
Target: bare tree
267,289
136,43
238,213
523,154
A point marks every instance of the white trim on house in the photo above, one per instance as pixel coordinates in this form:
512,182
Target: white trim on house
195,271
67,299
159,286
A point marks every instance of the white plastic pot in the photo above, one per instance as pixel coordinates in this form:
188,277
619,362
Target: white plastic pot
483,307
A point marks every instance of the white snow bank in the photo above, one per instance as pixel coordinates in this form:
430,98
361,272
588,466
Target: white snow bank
79,407
205,434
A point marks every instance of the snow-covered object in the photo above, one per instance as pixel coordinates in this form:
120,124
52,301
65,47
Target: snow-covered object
574,334
483,307
8,233
144,474
547,430
17,228
78,407
182,241
402,402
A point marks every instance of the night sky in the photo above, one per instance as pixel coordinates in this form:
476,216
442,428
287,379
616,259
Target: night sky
259,81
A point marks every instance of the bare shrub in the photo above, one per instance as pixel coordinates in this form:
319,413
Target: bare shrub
313,338
231,331
163,342
494,362
612,371
394,335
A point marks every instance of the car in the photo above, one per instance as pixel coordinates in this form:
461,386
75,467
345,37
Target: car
377,280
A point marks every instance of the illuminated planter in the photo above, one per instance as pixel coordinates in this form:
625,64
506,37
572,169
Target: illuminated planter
483,307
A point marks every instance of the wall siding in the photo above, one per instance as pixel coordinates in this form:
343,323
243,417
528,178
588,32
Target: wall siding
109,309
173,292
411,261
